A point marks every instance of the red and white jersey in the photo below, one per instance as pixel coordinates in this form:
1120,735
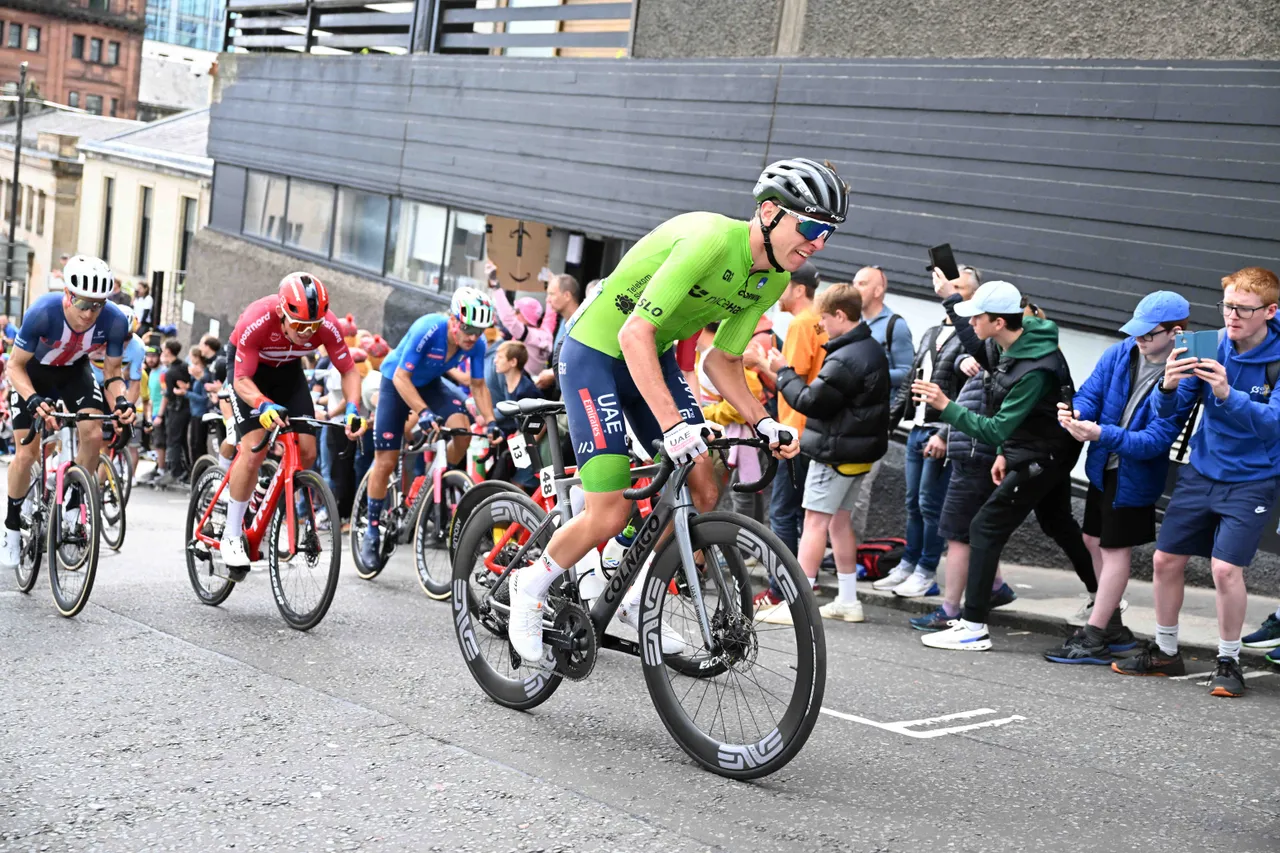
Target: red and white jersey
259,338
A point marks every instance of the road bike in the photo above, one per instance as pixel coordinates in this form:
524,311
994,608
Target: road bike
295,529
60,516
743,697
433,493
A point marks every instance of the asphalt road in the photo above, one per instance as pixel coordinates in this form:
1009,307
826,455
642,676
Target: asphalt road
153,722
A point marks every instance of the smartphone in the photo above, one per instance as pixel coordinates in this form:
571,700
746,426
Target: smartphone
919,374
1066,394
1198,344
944,259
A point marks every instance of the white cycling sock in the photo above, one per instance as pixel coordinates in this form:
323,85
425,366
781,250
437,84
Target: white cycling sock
235,518
224,463
847,588
1167,638
1229,649
973,626
537,578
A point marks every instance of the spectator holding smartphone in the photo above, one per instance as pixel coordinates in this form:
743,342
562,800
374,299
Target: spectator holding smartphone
1127,465
1029,376
1223,499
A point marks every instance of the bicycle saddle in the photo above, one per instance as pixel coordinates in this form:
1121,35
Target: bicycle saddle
529,406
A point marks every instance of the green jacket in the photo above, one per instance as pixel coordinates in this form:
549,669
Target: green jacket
1039,338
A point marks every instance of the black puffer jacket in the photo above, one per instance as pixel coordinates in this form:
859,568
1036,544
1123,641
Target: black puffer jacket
945,375
847,404
962,447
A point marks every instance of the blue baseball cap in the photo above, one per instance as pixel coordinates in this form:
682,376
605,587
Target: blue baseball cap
1163,306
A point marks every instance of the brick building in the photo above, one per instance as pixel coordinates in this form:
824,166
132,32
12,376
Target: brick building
82,53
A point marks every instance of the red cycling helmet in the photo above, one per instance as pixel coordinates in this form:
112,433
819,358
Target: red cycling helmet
303,297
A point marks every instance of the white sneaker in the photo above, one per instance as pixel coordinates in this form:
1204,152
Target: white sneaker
1082,615
524,626
899,574
846,611
775,614
917,586
672,642
958,638
11,549
234,555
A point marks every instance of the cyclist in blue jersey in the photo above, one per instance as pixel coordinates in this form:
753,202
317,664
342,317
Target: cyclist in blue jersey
132,362
413,382
48,364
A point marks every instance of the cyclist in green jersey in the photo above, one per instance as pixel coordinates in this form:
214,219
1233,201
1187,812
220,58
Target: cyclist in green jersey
619,361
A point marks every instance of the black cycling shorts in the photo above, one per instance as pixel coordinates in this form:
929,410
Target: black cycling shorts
72,383
283,384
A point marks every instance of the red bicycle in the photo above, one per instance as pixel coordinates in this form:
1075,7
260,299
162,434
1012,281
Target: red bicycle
294,528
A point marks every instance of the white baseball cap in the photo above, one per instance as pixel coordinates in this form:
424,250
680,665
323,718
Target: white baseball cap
994,297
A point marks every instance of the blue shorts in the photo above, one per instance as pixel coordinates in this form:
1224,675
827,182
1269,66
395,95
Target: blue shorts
1210,518
598,393
388,422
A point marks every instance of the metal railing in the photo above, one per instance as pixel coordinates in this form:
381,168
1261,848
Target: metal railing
571,28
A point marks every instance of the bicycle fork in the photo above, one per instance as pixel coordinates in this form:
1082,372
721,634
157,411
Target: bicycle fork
683,510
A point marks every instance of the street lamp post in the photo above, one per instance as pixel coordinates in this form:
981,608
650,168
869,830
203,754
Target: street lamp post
13,192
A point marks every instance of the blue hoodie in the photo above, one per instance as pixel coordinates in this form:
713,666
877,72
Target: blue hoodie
1143,447
1239,438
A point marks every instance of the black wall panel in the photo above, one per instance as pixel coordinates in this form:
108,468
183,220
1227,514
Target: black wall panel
1087,183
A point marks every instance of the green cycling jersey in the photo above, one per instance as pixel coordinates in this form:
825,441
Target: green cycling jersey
692,270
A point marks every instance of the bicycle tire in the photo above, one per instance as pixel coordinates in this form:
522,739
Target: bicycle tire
360,523
478,492
212,589
86,566
535,685
427,535
759,754
122,462
316,485
112,508
201,465
32,536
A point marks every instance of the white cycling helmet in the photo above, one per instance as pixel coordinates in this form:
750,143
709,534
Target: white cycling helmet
130,317
472,307
88,277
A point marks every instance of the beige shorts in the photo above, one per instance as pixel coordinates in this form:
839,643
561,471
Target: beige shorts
828,491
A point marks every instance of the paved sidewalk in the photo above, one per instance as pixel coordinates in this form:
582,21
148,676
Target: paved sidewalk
1047,598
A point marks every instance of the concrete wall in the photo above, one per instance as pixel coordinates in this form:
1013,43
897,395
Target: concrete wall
1080,29
228,273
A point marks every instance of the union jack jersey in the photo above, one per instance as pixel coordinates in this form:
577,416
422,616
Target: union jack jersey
259,338
46,334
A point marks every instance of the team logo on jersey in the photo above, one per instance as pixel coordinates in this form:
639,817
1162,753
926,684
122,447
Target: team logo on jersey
625,303
728,275
747,294
698,292
762,282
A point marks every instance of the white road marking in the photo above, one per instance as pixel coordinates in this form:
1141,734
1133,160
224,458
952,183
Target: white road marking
905,727
1018,634
1190,676
1024,586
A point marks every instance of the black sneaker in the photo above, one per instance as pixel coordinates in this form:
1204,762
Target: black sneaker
1121,639
1228,680
1151,661
1078,649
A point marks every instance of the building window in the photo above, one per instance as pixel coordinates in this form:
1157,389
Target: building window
100,5
115,106
108,207
464,248
1,32
309,216
31,200
415,248
144,233
264,206
77,47
40,215
15,35
113,53
190,208
95,50
73,99
360,231
93,104
33,39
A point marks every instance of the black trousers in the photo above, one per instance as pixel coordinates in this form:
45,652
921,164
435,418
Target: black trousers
342,471
176,419
1048,494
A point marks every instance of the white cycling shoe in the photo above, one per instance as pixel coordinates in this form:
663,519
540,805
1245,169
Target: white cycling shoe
672,642
11,549
524,625
235,557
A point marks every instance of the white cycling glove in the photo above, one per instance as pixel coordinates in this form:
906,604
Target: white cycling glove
683,443
771,430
